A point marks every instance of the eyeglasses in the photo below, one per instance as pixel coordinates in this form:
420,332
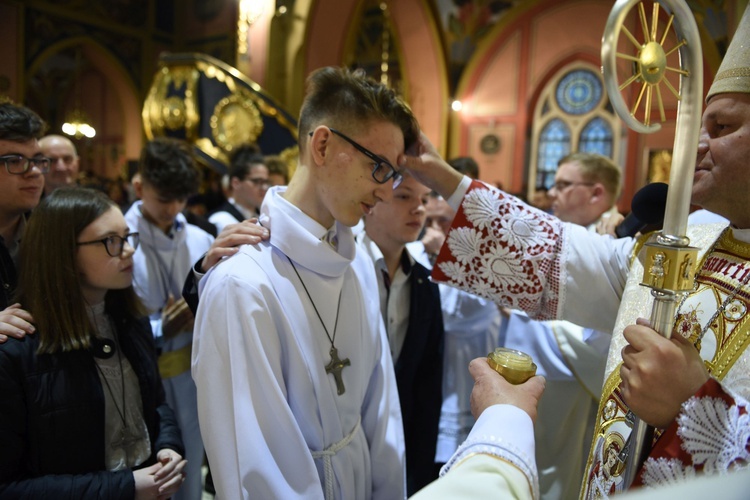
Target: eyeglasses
19,164
383,171
259,181
561,186
115,244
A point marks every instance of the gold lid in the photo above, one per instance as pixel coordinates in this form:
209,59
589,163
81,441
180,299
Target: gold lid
515,366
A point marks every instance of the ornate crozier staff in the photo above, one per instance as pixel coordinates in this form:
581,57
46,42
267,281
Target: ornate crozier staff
670,261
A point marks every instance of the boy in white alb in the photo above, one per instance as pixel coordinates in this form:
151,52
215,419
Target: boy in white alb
296,389
167,175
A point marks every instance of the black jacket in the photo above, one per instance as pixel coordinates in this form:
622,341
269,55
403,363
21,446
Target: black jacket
419,376
231,209
52,419
8,277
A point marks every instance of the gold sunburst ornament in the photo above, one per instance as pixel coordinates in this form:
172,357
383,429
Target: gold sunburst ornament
651,64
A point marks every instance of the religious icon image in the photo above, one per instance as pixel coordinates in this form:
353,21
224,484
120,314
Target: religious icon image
606,475
686,272
658,269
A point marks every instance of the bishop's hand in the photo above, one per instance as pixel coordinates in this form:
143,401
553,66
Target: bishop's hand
659,374
424,163
490,388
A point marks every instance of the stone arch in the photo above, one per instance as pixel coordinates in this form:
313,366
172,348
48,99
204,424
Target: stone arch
106,67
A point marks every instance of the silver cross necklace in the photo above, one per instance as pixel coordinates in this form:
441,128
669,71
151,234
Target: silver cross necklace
336,365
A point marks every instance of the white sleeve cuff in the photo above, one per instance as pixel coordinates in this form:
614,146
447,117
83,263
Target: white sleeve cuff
504,431
458,195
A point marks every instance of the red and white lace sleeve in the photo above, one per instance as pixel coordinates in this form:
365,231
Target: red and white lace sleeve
711,434
504,250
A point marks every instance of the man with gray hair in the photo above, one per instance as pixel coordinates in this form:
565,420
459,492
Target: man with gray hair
64,162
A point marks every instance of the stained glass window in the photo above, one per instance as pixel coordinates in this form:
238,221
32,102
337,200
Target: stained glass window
572,114
579,92
554,143
596,137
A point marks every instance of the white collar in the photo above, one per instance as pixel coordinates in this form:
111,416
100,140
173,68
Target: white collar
300,237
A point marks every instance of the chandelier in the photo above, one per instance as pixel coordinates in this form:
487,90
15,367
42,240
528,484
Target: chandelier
77,123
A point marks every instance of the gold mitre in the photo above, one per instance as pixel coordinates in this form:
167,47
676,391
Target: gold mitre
734,72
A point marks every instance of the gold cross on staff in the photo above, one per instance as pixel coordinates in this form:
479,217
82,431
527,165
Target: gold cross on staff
336,366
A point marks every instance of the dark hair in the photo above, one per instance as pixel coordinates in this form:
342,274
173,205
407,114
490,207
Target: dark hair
465,165
49,282
277,165
168,165
19,124
597,168
349,100
243,158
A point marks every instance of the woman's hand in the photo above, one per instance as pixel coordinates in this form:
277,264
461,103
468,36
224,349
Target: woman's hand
161,480
170,476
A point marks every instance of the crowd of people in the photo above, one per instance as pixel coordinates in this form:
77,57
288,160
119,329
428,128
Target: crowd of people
324,335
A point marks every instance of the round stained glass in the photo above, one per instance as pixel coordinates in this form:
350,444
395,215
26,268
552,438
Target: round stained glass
578,92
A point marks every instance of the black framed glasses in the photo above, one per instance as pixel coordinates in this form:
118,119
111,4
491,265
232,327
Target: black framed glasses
115,244
383,171
561,186
19,164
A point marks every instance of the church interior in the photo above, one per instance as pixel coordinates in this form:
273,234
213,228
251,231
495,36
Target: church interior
515,84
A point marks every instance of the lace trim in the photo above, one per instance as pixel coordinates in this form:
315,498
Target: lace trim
662,472
500,448
507,253
714,433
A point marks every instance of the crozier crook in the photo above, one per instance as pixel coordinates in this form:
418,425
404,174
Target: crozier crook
675,269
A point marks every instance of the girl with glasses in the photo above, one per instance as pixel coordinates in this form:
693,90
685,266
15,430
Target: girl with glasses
82,407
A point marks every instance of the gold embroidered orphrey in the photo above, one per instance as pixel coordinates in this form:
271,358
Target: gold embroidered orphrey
720,284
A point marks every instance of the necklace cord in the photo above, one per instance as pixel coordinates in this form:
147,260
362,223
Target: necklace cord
338,308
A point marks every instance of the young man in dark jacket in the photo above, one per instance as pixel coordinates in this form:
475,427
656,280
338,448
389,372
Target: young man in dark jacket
22,166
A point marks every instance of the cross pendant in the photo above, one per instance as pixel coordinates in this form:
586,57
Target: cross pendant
335,367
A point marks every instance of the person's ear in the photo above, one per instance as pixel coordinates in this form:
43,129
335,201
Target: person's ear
234,182
597,193
319,143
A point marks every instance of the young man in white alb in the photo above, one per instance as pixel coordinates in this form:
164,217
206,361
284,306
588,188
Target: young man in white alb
167,175
296,390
